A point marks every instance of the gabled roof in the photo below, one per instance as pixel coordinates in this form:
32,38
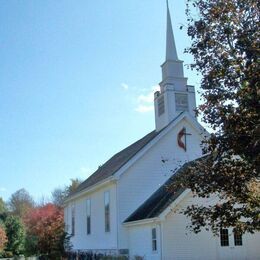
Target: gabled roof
160,199
110,167
115,163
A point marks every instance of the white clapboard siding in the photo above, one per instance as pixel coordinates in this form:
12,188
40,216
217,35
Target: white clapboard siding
98,239
179,243
140,242
149,172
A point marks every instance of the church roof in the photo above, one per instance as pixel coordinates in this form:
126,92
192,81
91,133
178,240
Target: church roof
110,167
160,199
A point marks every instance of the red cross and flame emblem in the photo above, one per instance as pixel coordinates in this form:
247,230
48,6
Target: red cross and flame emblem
182,135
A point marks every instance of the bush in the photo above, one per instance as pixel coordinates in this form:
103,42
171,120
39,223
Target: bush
16,234
94,256
7,254
3,239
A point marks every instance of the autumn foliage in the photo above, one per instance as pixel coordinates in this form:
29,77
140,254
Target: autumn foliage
226,50
3,239
46,225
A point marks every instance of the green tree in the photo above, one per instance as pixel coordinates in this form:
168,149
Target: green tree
21,202
16,235
225,46
3,211
30,244
3,207
59,194
73,185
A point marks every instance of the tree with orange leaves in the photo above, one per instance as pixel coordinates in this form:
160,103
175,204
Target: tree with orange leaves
45,225
3,239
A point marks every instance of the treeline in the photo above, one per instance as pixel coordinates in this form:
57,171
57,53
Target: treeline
29,228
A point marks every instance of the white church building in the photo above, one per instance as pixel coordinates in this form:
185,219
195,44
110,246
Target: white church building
124,206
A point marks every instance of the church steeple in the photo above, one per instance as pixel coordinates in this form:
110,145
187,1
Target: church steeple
175,96
171,52
172,67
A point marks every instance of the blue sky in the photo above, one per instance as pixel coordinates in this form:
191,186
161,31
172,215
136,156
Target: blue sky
76,82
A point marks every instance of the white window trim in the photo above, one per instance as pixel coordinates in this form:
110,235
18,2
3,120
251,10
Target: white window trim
73,217
231,239
154,239
240,239
109,212
88,214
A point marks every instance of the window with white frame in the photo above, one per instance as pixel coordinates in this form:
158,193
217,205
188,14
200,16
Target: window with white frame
66,217
224,239
88,204
107,211
154,239
73,220
238,238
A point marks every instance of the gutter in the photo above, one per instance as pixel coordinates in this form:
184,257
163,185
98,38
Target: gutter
141,222
90,189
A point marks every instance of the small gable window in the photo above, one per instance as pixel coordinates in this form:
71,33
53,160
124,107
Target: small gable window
88,217
237,238
181,101
224,240
107,211
154,239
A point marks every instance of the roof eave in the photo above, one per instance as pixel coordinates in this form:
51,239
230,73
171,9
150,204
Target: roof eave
141,222
90,189
149,145
161,217
116,175
174,204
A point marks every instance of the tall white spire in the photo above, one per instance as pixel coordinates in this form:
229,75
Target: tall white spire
171,52
172,67
175,96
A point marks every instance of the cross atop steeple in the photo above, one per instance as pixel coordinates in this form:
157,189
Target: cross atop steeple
171,52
